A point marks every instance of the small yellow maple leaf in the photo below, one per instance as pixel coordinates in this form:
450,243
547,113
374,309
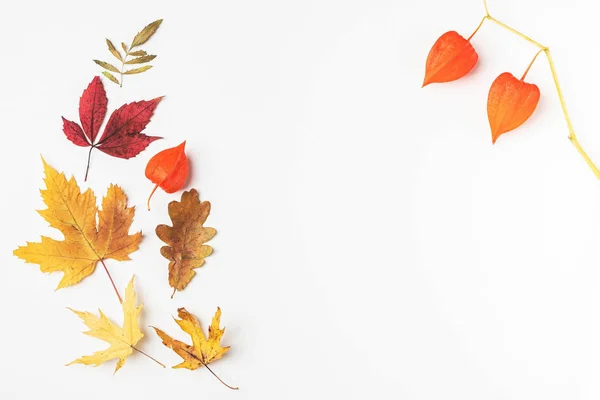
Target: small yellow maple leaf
186,249
85,242
203,351
122,340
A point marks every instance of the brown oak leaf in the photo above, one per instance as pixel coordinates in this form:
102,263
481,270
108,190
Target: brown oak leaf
186,249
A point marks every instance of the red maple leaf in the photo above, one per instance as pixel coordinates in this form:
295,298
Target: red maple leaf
122,135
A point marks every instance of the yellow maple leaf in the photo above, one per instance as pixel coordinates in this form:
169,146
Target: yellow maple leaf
203,351
122,340
186,249
86,242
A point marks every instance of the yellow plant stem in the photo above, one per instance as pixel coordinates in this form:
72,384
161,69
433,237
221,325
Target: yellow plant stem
516,32
530,64
546,50
123,67
478,26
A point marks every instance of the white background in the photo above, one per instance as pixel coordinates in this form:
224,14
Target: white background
372,243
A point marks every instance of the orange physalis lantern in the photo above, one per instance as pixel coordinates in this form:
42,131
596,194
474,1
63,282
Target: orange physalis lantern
168,169
451,57
511,102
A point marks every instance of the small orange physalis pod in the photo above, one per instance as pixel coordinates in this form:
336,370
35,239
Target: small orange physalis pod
451,57
511,102
168,169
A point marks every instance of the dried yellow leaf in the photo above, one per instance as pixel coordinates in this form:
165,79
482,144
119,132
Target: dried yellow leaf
145,34
141,60
110,76
203,351
122,340
140,56
113,50
137,70
107,66
85,242
186,249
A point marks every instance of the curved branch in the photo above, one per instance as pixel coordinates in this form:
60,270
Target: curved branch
563,105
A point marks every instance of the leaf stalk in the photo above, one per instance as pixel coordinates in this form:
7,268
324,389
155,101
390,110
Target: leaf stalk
123,67
220,380
87,168
149,356
112,282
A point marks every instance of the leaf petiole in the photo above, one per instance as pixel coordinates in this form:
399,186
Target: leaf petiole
122,68
111,281
211,371
149,356
220,380
87,169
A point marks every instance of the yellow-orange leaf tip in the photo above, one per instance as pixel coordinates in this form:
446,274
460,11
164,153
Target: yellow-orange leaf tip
451,57
511,102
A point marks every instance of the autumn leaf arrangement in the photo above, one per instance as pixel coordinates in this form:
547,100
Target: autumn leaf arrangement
94,235
511,100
